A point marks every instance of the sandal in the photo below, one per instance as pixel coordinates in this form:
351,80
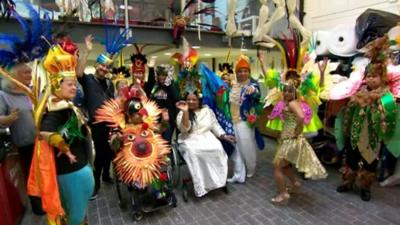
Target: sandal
281,199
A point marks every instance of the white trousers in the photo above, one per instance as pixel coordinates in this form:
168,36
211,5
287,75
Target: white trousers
244,156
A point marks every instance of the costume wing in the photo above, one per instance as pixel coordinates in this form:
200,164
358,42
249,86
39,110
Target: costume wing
215,95
111,112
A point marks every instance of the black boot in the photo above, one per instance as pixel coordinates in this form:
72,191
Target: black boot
94,195
364,182
225,189
344,188
96,185
36,204
108,180
365,194
348,179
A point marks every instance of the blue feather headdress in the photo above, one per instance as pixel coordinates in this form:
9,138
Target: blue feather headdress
114,42
32,45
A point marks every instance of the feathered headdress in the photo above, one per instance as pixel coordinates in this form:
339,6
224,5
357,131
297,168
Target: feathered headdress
120,74
377,52
306,86
60,65
68,45
180,20
114,42
189,81
225,67
292,55
32,45
189,56
139,61
189,78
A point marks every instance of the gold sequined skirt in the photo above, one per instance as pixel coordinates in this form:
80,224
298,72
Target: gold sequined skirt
299,153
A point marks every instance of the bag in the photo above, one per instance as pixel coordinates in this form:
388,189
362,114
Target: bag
373,24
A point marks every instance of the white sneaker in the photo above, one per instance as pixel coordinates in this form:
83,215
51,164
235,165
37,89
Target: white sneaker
390,181
231,180
234,180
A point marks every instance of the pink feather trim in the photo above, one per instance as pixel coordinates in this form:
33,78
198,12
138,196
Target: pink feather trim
277,111
307,112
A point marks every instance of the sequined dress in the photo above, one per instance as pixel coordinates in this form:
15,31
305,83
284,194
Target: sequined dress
297,151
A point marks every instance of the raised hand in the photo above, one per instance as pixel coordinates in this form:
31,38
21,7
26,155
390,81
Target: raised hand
322,68
165,115
152,62
260,55
89,42
182,105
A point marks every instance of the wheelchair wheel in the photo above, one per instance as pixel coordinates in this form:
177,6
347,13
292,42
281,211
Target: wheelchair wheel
138,215
185,193
174,172
174,200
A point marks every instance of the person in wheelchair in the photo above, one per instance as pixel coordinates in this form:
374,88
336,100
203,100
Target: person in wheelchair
140,151
199,144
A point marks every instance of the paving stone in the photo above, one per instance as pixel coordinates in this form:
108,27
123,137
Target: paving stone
105,221
249,204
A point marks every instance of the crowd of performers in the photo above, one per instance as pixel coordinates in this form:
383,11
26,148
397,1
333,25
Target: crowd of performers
133,121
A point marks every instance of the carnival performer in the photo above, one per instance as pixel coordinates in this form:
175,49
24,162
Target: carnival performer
165,94
16,113
17,57
64,183
244,99
120,79
226,73
369,123
293,151
225,70
97,89
308,83
140,150
199,144
138,69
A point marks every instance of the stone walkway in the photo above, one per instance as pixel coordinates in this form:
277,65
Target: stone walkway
249,203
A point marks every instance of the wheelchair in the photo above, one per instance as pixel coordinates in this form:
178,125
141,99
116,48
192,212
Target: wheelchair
179,180
142,200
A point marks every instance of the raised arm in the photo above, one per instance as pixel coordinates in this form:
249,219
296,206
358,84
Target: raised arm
260,57
80,67
182,120
151,80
